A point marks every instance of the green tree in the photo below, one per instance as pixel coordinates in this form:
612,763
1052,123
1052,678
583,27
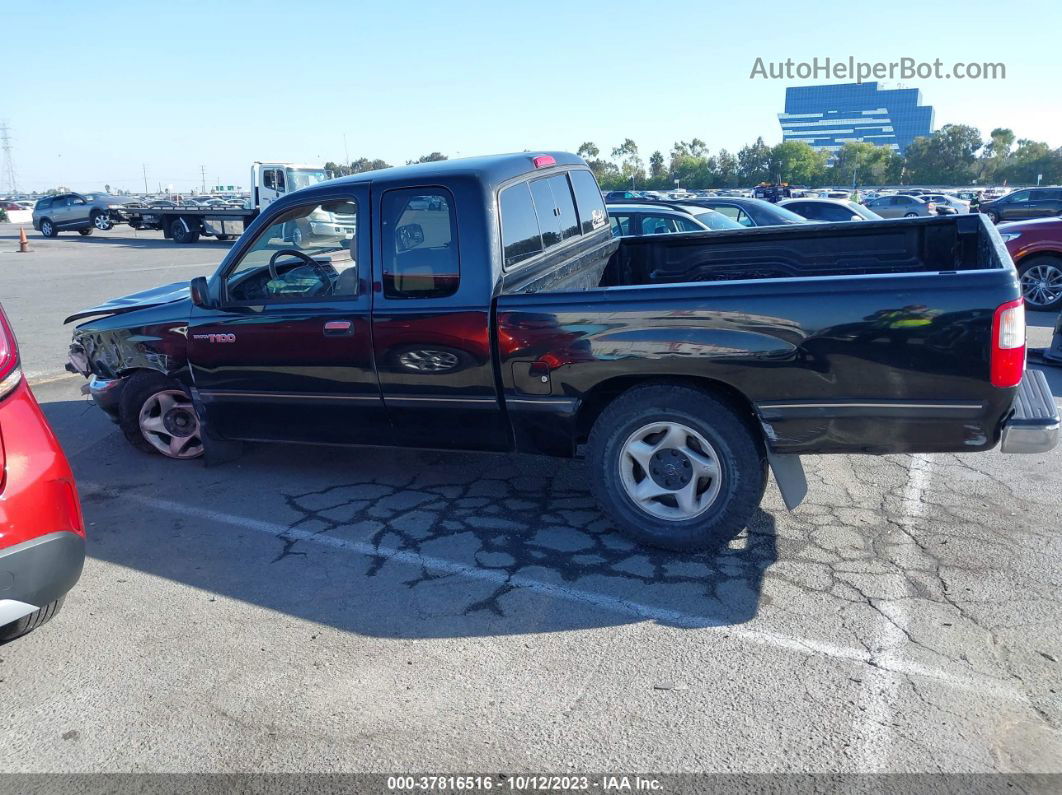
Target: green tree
754,163
994,154
862,163
726,170
430,158
656,166
1032,159
797,162
630,162
946,157
604,171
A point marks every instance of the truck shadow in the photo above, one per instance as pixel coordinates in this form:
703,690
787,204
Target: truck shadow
400,543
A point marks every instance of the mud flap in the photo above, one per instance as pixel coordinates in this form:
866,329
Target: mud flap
789,475
216,450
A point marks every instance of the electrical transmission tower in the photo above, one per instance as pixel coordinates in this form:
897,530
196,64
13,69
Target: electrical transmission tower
8,172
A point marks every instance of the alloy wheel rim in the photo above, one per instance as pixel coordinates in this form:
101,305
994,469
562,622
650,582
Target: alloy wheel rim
169,424
1042,284
101,223
670,471
46,228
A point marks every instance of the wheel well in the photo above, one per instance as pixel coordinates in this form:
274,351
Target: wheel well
595,401
1056,255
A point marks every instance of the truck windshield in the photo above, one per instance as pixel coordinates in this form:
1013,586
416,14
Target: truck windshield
305,177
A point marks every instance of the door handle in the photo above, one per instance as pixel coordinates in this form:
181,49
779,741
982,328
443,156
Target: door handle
337,328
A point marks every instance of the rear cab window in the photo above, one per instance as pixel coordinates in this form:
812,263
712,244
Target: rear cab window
540,213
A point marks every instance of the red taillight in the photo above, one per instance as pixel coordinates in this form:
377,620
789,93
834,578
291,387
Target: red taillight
541,161
1008,344
10,374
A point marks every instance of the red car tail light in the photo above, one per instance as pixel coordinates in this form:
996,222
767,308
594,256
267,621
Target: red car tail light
10,373
1008,344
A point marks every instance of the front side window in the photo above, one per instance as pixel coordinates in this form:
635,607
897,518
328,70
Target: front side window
309,252
419,242
1020,196
269,179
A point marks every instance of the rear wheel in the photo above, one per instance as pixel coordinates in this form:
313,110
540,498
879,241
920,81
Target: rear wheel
157,416
85,232
224,237
48,228
676,467
26,624
101,221
1041,282
181,232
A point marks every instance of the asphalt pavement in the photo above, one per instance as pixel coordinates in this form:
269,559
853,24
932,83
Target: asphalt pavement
303,609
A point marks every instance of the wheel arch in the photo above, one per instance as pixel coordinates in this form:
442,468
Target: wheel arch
597,399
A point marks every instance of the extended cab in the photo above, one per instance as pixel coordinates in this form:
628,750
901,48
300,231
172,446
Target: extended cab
483,304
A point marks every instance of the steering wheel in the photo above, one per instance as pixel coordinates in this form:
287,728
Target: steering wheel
301,255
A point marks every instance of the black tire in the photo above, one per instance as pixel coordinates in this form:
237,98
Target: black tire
1051,268
48,228
26,624
85,232
910,215
737,445
101,221
181,233
141,387
993,216
225,237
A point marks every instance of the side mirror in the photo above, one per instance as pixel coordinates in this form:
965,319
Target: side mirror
200,292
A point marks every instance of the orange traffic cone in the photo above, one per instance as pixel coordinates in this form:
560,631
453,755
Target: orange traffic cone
23,243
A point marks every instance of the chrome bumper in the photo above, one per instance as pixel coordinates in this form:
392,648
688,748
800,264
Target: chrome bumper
106,393
1033,426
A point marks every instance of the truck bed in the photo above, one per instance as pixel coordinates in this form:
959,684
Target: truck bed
860,337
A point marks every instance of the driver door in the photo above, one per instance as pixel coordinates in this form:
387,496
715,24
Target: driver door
288,354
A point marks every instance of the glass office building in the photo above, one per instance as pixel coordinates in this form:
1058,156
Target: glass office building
827,117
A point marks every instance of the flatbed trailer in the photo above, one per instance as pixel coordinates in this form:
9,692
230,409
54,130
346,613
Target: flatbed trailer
187,224
270,181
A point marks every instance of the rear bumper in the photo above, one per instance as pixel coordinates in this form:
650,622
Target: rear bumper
37,572
1033,425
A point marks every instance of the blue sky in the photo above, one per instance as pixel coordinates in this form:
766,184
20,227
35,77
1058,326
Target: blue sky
94,90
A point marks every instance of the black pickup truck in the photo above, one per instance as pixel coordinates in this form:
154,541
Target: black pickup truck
483,304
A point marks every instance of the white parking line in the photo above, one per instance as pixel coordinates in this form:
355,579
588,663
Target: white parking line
899,667
880,691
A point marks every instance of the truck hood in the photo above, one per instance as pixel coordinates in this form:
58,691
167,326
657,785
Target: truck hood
166,294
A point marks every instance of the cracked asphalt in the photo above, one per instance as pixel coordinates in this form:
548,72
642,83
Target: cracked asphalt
311,609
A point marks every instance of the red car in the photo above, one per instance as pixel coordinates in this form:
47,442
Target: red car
42,532
1036,248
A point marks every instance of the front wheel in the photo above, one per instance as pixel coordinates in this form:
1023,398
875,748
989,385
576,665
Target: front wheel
993,216
1041,282
157,416
101,221
85,232
910,215
48,228
676,467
